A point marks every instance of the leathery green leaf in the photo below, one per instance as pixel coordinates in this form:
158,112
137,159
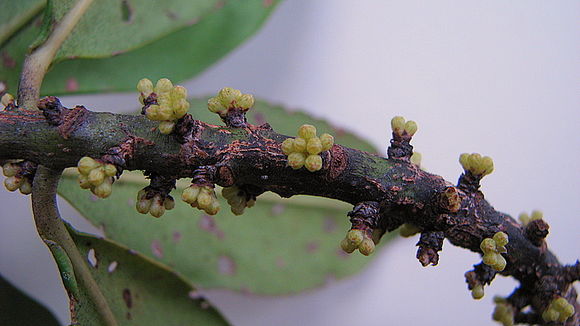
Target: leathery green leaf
139,291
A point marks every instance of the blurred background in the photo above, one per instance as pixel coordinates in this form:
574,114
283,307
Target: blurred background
495,77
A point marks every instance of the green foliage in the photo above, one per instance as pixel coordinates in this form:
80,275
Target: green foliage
273,242
179,55
17,308
139,291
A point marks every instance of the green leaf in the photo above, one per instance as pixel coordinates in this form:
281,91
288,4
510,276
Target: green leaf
17,308
178,56
139,291
275,241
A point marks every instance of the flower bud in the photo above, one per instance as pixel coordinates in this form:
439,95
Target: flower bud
169,203
296,160
411,127
6,99
96,176
110,170
477,292
500,238
143,205
367,247
355,236
157,209
398,124
327,141
287,146
215,105
314,146
86,164
246,101
145,86
104,189
189,194
25,187
12,183
227,95
10,169
163,85
313,163
307,131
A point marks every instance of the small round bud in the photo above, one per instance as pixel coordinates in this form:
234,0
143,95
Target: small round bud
163,85
327,141
287,146
96,176
104,189
408,230
307,131
143,205
215,105
227,95
524,218
189,194
145,86
141,194
84,182
10,169
12,183
250,203
347,246
536,215
157,209
169,203
299,144
486,165
367,247
180,109
245,101
477,292
314,146
500,238
296,160
488,245
490,259
464,161
152,112
550,315
398,124
110,170
179,92
313,163
355,236
500,263
25,187
411,127
214,208
6,99
238,209
204,199
559,303
164,113
166,127
567,312
86,164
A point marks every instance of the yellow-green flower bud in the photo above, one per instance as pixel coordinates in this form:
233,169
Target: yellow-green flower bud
355,236
163,85
96,176
398,124
110,170
491,258
501,239
6,99
550,315
10,169
536,215
246,101
12,183
215,105
164,113
307,131
180,109
500,263
189,194
86,164
227,95
296,160
104,189
488,245
314,146
152,112
143,205
313,163
477,292
299,144
486,165
287,146
157,209
411,127
204,199
169,203
166,127
179,92
145,86
367,246
25,187
524,218
347,246
464,161
214,208
84,182
559,304
327,141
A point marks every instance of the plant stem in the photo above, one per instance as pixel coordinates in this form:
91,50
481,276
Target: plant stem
37,63
52,229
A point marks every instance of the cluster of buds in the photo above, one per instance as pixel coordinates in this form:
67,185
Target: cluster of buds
164,102
401,127
202,197
304,150
229,99
503,312
16,178
96,176
359,239
558,310
238,199
153,203
525,219
476,164
493,248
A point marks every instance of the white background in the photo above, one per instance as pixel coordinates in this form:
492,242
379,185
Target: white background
497,77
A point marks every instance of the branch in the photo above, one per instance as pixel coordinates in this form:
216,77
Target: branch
52,230
386,192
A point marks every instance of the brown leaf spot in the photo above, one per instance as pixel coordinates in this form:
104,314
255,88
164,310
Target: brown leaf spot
259,118
226,265
156,249
278,209
207,223
267,3
280,262
330,224
220,4
176,236
127,298
312,246
7,60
